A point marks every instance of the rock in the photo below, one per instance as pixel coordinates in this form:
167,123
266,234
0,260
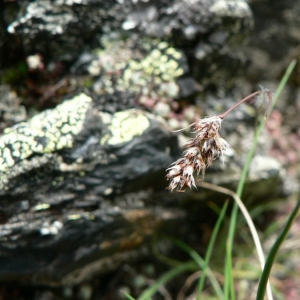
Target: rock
77,179
206,31
275,40
81,191
82,186
264,167
11,109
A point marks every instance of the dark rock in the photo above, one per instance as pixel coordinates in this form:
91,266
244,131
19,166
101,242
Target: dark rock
61,173
275,41
10,109
83,185
81,191
51,28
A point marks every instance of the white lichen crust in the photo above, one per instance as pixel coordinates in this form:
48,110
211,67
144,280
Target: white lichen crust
45,133
229,8
124,126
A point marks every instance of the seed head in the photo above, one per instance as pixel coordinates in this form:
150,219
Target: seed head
200,152
204,148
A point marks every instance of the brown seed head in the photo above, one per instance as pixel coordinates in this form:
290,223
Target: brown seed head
198,155
204,148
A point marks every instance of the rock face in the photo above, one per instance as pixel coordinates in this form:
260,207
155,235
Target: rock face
78,191
83,184
204,29
275,42
62,174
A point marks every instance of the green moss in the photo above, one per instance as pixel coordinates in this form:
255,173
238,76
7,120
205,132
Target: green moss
14,75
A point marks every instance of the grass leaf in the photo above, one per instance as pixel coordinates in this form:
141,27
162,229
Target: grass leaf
148,293
241,184
201,263
127,296
271,257
209,250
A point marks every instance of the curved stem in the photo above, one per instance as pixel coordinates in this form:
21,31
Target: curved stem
249,221
224,114
270,97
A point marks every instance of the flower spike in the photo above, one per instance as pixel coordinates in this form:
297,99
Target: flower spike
204,148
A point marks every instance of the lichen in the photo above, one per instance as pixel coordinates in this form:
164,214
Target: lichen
45,133
237,9
125,126
137,66
54,22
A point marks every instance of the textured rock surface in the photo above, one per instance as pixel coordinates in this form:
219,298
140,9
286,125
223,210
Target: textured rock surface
63,173
276,40
78,191
206,30
82,185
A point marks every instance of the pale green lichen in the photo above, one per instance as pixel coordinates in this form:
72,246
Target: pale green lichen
41,206
161,65
46,132
129,65
124,126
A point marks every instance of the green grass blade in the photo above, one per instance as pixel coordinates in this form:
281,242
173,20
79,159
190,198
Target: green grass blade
258,132
242,181
148,293
229,280
271,257
210,249
200,262
228,270
127,296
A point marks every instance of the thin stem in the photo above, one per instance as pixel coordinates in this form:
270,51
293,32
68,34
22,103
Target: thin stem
209,251
249,221
270,97
245,170
273,252
229,270
201,263
223,115
149,292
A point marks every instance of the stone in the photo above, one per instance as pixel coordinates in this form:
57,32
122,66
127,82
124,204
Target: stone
82,187
78,179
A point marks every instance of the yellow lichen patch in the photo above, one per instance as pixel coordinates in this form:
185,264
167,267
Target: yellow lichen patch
41,206
74,217
151,63
124,126
46,132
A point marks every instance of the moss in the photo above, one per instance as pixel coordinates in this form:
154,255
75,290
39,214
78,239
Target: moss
14,75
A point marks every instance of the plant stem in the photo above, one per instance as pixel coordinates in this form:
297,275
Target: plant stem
224,114
209,250
271,257
247,217
245,170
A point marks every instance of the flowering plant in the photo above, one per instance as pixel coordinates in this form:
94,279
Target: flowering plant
203,149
